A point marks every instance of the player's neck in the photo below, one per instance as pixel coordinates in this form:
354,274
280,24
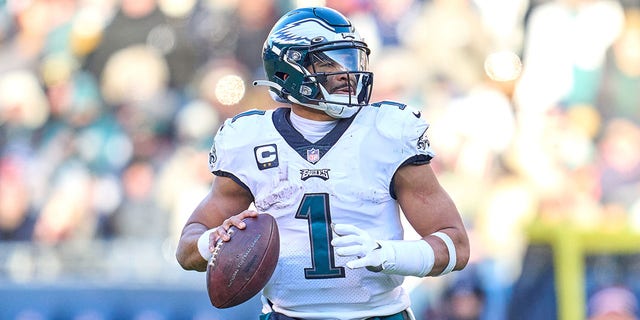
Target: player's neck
312,130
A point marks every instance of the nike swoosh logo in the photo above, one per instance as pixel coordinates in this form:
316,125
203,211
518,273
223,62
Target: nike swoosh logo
417,114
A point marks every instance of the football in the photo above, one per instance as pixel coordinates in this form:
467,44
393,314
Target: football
242,266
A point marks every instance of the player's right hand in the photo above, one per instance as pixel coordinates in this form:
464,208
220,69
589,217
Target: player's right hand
222,232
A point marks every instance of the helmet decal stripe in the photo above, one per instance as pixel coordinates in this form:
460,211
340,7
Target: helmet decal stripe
303,31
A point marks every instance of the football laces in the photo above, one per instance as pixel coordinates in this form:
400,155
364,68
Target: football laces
217,248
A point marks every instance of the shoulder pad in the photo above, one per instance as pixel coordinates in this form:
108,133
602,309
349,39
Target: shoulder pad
243,128
404,123
392,105
244,120
248,113
237,132
395,117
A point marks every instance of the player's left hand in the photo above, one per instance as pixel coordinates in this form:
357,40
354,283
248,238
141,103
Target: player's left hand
355,242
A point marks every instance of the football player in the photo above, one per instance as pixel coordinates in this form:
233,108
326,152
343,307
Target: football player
336,172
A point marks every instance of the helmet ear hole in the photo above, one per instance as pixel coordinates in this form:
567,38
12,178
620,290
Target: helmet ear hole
281,75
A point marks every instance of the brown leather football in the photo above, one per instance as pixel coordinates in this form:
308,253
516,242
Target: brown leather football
242,266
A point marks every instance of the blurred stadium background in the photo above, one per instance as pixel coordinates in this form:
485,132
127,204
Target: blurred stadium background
108,109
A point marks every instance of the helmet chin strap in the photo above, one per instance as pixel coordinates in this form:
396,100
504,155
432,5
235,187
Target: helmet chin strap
334,110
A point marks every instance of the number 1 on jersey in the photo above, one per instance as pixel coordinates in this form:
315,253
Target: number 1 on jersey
315,209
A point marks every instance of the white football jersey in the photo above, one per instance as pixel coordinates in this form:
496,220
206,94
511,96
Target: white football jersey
345,177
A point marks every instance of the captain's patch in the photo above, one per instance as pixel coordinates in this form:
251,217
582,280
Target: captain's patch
266,156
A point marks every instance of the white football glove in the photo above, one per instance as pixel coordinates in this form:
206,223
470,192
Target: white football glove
355,242
411,258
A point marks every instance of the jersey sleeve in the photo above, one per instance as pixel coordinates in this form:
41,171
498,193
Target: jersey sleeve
415,139
231,154
219,148
407,127
403,127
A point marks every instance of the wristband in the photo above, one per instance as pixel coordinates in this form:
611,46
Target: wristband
408,258
452,251
203,244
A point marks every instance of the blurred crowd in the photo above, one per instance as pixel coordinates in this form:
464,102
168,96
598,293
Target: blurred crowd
108,109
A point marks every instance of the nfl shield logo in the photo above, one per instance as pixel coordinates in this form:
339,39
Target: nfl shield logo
313,155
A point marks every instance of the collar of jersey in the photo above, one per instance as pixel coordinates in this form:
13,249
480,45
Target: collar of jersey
298,142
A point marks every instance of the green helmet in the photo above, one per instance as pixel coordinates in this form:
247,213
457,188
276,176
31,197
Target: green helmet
306,38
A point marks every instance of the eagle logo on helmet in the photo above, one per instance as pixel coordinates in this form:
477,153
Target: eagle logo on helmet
303,31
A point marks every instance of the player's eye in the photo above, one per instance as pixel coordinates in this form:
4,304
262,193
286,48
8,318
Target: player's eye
326,64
